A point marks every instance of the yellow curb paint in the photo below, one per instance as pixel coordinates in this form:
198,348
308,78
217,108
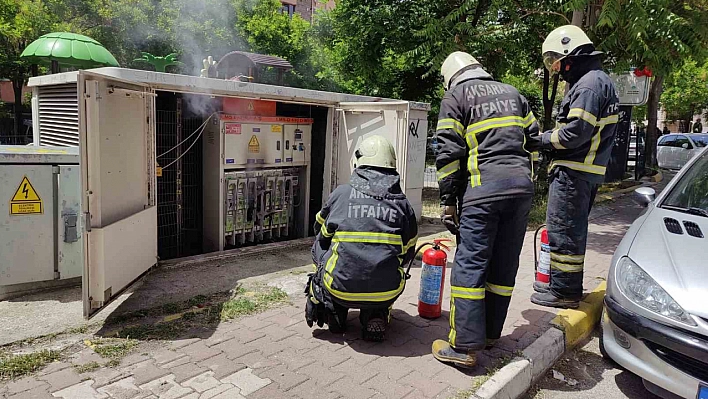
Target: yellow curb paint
657,177
577,324
172,317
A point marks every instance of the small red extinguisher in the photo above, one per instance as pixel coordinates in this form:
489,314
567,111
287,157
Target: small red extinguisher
542,259
432,279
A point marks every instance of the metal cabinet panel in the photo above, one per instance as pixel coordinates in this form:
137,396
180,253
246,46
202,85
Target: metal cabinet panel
26,241
69,232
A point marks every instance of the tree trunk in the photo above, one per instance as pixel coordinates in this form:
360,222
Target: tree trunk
17,130
578,17
657,87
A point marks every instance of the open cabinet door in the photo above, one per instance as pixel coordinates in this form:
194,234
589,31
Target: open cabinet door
118,186
359,120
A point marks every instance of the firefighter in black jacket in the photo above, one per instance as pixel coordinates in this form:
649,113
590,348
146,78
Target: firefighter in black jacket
366,234
580,148
485,132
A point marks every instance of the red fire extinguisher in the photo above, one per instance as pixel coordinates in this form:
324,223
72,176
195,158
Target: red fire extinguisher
432,279
542,261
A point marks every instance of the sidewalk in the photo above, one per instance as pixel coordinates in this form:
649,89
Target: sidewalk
275,355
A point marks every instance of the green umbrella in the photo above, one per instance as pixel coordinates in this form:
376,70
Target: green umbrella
68,49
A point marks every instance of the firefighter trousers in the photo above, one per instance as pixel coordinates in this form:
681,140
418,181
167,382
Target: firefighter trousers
486,262
570,200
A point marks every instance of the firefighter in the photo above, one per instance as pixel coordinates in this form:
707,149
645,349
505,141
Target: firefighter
366,233
580,148
485,133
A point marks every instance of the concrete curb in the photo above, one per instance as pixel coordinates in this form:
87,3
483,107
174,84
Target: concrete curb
569,327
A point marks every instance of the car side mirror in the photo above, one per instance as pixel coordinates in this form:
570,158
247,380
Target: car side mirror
644,196
684,146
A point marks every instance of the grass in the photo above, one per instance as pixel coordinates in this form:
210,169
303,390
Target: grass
14,366
431,203
112,348
479,380
250,304
87,368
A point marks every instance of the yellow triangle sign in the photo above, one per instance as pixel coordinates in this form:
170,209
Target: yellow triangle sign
254,141
25,192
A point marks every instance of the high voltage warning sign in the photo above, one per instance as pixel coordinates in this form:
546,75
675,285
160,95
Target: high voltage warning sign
26,201
253,145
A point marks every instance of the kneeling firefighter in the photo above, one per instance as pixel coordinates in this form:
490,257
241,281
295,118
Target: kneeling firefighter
485,132
366,232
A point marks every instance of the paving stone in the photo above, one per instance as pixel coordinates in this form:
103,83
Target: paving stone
221,388
254,323
391,367
423,383
183,342
351,390
299,343
246,336
454,377
86,356
271,392
232,393
257,361
177,362
121,389
275,333
203,382
387,387
61,379
81,390
186,371
148,372
166,388
284,320
166,356
292,359
234,349
222,366
107,375
354,372
267,347
25,384
41,392
327,356
284,378
134,358
54,367
198,351
312,390
246,381
323,376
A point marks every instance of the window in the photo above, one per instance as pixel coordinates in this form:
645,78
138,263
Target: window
681,141
667,141
692,190
700,141
288,8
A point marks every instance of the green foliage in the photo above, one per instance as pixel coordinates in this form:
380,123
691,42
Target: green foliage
13,366
685,90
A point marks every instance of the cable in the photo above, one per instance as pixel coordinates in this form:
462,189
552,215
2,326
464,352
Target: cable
188,137
189,148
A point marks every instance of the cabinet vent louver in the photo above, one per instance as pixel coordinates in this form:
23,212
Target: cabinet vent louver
58,115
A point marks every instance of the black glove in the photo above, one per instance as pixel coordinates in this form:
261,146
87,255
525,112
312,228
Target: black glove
450,219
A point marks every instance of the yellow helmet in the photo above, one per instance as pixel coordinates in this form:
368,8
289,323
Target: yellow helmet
561,43
376,151
454,63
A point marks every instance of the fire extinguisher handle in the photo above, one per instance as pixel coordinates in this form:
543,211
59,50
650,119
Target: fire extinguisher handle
408,270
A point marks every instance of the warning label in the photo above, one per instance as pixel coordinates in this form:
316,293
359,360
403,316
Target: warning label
26,201
253,145
276,128
232,128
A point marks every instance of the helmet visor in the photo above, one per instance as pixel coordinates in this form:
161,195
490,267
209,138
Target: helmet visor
552,60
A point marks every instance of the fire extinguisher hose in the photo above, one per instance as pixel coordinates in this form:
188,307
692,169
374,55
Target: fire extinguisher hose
535,247
408,274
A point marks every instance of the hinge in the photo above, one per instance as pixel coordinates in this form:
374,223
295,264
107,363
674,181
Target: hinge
87,222
56,170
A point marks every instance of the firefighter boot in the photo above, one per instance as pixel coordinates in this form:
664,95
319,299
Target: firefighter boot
374,324
552,301
337,320
447,354
540,287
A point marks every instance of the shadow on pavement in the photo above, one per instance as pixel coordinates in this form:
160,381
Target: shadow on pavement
627,384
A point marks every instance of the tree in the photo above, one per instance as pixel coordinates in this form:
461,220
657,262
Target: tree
658,34
21,22
686,92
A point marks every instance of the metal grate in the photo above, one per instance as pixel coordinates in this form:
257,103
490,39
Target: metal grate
694,367
179,189
673,226
693,229
58,115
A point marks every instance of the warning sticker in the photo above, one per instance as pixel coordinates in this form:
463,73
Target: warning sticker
232,128
276,128
253,145
26,201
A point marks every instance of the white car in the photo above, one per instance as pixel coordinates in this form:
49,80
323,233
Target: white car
675,150
655,318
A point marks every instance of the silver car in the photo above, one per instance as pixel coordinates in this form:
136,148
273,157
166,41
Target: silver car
655,318
675,150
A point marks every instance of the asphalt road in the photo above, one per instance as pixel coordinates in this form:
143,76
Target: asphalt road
588,376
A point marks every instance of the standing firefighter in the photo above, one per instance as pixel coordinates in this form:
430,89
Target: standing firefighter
366,232
580,148
483,164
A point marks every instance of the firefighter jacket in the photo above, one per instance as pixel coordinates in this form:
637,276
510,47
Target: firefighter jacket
485,133
585,131
366,235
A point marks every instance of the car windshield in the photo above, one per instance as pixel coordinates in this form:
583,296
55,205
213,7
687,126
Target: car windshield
690,194
701,141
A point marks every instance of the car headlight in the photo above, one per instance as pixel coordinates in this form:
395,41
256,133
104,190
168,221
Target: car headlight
641,289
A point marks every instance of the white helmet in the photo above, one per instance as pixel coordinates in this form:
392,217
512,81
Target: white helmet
454,63
376,151
561,43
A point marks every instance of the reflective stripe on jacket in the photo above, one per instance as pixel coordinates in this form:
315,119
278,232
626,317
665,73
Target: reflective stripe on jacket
485,134
368,232
585,130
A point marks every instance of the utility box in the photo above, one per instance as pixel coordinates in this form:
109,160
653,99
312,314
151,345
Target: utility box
40,218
